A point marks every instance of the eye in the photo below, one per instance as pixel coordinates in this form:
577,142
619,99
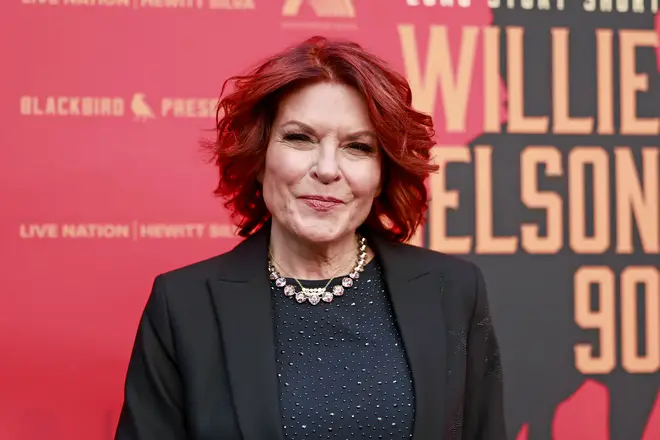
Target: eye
296,137
362,147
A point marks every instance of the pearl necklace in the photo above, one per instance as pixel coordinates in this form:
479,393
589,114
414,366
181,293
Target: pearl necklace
316,295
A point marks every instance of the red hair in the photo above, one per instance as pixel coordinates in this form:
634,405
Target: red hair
244,118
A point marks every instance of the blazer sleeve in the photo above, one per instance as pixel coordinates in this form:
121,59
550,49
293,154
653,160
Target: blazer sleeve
484,406
152,407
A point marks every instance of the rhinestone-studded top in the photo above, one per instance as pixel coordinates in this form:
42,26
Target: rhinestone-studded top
342,369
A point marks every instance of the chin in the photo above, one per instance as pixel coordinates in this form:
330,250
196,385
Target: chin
319,236
322,231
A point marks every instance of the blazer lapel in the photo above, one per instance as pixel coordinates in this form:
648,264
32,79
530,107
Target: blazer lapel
241,297
416,294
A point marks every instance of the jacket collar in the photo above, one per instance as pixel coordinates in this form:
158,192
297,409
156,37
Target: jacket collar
241,297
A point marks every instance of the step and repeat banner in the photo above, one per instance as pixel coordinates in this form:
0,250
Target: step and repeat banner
548,122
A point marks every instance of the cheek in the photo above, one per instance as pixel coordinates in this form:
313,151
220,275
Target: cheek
283,167
365,181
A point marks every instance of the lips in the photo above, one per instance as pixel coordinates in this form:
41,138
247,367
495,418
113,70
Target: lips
321,203
323,199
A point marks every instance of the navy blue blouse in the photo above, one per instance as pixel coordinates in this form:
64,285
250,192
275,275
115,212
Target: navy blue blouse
342,369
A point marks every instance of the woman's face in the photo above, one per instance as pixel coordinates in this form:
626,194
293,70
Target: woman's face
322,168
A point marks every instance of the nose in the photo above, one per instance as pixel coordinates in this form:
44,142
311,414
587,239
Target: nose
326,168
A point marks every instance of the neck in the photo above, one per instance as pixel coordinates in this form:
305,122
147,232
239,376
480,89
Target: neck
306,260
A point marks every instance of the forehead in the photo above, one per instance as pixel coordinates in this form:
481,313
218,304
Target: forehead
325,106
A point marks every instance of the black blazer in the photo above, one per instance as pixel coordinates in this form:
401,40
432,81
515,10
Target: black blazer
203,363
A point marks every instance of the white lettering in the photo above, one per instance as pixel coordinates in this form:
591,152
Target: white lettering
123,3
183,4
528,5
43,230
217,230
621,6
161,230
91,230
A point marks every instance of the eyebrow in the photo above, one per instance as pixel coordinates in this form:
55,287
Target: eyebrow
309,129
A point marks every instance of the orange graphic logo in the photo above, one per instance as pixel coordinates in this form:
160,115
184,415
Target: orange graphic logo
322,8
140,108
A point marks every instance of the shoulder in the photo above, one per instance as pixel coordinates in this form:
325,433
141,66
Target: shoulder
189,285
180,297
450,266
194,271
462,280
445,260
191,279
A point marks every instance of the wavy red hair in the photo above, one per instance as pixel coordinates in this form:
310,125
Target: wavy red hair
245,116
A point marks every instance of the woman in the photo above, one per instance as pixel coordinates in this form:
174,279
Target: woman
322,323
